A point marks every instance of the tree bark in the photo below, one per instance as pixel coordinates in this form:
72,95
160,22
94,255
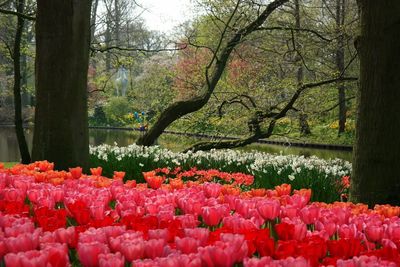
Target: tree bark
62,55
217,67
340,18
375,178
304,126
23,147
93,20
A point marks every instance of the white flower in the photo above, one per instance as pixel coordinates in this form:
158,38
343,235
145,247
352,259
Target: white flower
291,177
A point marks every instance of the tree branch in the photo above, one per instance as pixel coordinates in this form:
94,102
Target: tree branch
319,35
10,12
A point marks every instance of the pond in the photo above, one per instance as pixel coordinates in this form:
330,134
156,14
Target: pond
9,146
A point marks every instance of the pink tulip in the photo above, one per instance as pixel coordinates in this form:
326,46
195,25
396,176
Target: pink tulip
394,232
269,209
159,234
66,236
57,254
31,258
215,256
23,242
211,216
13,195
188,220
133,250
348,231
236,245
200,234
89,253
289,211
187,244
111,260
17,229
309,214
97,212
114,231
57,193
212,189
374,233
154,248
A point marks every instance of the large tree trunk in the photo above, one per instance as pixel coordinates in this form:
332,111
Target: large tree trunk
62,55
23,147
376,176
340,17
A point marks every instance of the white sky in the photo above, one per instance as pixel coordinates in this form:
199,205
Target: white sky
164,15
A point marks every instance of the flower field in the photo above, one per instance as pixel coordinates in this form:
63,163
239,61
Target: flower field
182,218
321,176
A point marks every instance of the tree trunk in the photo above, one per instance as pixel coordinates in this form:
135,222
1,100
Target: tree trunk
23,147
375,178
93,19
340,17
107,40
304,126
62,55
117,22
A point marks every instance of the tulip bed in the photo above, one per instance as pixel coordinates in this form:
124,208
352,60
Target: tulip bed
57,218
269,170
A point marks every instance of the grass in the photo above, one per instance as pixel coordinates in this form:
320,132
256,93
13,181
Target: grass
9,164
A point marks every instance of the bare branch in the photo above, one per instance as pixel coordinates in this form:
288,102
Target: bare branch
319,35
10,12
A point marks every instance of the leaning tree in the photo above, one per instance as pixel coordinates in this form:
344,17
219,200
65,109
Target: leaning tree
230,38
62,55
376,178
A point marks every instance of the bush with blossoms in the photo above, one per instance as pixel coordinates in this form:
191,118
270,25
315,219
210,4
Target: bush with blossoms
269,170
59,218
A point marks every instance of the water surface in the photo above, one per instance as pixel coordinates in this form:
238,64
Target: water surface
9,150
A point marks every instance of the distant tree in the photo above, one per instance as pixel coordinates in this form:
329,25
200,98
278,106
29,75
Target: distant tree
62,54
17,56
375,178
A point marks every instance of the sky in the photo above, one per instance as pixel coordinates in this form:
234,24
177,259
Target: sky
164,15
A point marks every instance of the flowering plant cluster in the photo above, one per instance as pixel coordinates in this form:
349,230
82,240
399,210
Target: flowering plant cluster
269,170
51,218
177,177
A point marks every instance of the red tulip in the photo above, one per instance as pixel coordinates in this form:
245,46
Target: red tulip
285,231
286,249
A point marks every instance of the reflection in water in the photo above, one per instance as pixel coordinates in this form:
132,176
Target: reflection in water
9,146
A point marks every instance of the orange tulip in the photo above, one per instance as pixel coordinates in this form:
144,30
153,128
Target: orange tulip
283,189
119,175
130,183
76,172
96,171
